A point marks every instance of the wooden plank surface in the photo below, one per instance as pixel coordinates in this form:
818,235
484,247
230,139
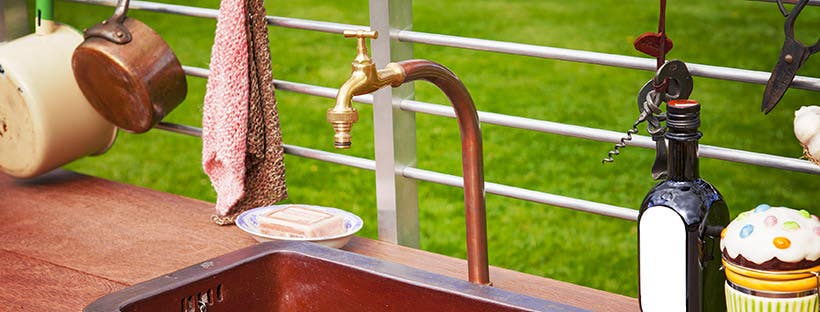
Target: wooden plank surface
29,284
72,228
116,231
558,291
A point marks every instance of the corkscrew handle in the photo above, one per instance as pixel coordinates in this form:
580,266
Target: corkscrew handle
680,86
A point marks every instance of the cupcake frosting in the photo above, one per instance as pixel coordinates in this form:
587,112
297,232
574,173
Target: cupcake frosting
767,232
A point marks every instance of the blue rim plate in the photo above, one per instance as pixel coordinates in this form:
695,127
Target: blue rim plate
248,223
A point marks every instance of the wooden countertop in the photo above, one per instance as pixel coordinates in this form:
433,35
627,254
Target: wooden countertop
69,238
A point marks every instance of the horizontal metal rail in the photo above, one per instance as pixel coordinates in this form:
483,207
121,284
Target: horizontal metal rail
295,23
708,71
707,151
441,178
811,2
526,194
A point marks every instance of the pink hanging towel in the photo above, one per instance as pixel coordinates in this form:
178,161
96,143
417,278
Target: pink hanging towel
265,155
242,143
225,111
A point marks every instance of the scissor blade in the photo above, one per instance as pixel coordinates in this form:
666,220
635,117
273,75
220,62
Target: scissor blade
791,58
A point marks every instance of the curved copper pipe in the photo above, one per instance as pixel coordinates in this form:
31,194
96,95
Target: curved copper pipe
472,160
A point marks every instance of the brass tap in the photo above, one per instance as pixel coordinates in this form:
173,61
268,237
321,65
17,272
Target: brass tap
364,78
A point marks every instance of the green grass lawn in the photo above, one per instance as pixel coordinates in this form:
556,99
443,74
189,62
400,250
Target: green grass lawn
543,240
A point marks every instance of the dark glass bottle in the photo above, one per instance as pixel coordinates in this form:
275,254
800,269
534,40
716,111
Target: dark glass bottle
678,227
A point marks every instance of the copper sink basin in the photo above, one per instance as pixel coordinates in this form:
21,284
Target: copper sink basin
299,276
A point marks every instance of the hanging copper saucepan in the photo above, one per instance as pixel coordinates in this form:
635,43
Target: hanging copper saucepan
128,73
45,121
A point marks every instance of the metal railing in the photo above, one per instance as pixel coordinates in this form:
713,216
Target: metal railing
398,216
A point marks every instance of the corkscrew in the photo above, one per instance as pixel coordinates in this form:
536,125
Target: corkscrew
646,106
679,86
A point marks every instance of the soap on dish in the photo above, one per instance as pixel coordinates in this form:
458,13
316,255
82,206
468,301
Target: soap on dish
301,222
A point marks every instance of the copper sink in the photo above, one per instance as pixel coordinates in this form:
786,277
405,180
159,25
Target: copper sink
298,276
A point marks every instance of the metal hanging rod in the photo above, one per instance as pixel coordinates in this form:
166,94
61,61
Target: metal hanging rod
296,23
525,194
616,60
361,163
707,151
441,178
811,2
708,71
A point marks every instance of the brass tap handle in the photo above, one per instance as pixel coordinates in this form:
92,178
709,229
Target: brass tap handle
362,55
362,34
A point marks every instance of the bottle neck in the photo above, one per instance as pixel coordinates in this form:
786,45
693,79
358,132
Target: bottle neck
683,120
682,160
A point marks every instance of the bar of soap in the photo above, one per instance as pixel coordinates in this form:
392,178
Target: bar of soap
301,222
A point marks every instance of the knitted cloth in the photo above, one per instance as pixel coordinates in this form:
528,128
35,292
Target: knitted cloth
264,182
225,111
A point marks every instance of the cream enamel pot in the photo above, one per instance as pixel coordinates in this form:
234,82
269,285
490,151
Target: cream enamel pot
45,121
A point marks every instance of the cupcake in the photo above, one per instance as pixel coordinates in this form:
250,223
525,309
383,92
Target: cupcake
771,257
772,239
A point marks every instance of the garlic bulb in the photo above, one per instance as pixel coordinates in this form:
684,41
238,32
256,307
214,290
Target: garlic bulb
807,131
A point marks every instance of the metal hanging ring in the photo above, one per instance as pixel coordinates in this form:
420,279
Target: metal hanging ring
651,103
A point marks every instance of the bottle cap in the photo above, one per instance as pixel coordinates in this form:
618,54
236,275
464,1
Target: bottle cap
683,114
683,103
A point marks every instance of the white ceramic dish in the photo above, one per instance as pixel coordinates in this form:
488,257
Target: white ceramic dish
247,222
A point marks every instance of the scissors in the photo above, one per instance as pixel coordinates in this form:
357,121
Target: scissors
792,56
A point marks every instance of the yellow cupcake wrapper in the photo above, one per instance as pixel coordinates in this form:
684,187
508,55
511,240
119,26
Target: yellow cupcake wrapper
786,281
737,301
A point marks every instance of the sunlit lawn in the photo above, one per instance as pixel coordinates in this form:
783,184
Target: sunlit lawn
543,240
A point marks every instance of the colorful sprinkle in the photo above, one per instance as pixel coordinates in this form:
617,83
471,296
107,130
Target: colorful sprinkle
770,221
723,233
791,226
782,242
746,231
817,230
762,208
804,213
815,218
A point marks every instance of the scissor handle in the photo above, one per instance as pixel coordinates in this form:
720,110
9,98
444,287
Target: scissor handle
782,8
791,16
815,47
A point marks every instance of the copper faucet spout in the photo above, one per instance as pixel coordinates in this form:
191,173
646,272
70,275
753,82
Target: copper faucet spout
365,78
472,158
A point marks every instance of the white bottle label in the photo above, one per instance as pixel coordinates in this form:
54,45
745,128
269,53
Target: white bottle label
662,246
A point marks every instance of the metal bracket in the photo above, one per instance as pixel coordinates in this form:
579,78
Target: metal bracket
112,29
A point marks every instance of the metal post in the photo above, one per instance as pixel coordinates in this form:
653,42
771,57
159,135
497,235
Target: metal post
13,19
395,130
3,27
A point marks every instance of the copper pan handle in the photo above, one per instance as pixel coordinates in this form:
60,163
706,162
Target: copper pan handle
113,29
121,11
